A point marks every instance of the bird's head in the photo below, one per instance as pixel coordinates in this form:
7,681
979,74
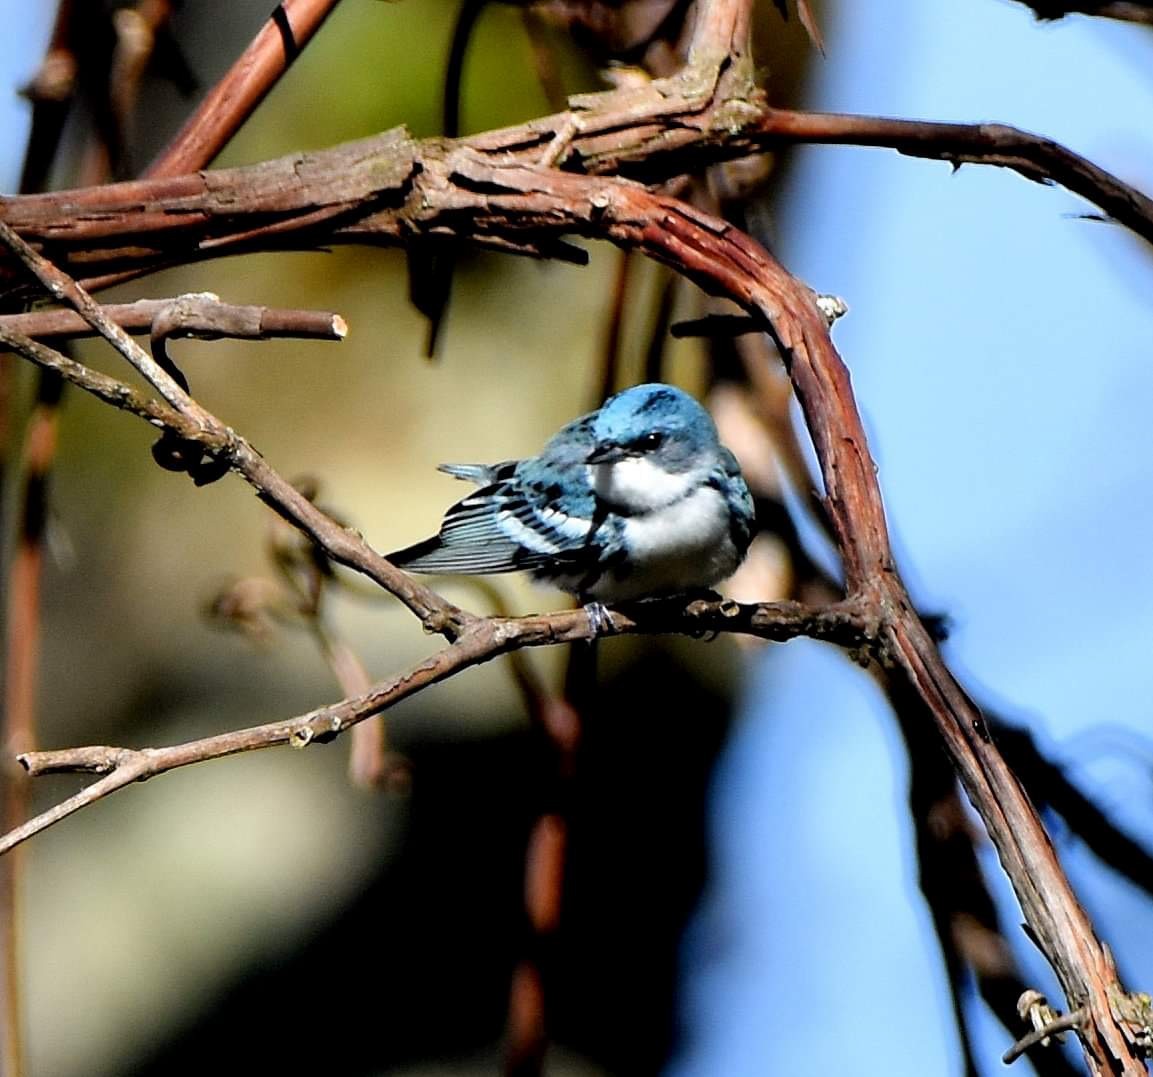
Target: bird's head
651,443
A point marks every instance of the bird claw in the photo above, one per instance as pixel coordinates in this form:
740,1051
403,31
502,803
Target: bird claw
600,622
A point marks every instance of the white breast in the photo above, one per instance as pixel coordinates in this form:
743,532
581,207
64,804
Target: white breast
636,485
682,546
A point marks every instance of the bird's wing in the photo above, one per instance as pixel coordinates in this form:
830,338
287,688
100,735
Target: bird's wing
505,527
742,511
529,514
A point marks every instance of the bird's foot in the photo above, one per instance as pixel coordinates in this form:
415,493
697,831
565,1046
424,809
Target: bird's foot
600,621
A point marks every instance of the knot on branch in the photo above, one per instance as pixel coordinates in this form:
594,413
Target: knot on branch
175,453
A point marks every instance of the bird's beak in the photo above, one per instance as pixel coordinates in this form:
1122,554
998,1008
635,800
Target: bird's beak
606,453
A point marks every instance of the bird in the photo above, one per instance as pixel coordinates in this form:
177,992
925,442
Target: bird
638,499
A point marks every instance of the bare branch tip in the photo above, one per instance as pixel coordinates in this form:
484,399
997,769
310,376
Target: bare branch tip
1047,1031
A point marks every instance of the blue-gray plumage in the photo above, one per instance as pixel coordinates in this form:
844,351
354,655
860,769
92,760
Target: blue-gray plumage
639,498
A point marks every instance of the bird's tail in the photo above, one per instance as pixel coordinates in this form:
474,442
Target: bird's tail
438,557
415,557
480,474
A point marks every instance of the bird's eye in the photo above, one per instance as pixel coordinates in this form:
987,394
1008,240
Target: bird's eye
650,441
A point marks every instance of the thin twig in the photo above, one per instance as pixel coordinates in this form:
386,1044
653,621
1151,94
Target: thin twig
1033,156
306,575
344,546
609,359
141,32
64,289
1064,1023
21,671
203,427
482,640
117,393
198,314
232,100
51,95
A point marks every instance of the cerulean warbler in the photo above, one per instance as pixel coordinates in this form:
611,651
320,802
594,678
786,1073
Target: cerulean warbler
639,498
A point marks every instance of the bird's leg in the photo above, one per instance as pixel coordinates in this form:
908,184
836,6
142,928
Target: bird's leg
600,623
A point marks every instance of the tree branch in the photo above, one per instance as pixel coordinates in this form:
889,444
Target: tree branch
481,640
195,314
233,99
387,189
343,545
1033,156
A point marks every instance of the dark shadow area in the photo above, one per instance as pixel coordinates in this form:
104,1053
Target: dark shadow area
416,968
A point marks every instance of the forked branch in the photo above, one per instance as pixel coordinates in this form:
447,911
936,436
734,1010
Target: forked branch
388,189
482,640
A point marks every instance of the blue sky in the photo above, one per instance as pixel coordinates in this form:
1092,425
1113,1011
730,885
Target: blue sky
21,49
